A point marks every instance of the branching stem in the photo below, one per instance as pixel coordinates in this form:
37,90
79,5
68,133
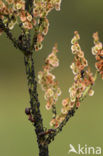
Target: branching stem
68,116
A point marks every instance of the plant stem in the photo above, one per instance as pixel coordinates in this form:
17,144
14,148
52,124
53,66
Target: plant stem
87,89
52,136
14,41
35,105
29,6
43,151
32,86
71,112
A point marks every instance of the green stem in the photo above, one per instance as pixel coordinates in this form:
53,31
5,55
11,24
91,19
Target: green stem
29,6
88,88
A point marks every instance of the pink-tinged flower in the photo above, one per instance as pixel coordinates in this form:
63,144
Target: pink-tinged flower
27,25
91,92
30,26
40,37
18,5
98,46
61,118
46,68
73,89
98,58
72,66
29,17
73,93
52,122
2,5
64,110
55,50
51,76
101,52
81,54
1,17
57,7
71,104
79,95
85,62
73,49
53,60
86,81
35,12
48,83
10,1
94,51
51,101
38,46
49,93
40,75
56,124
77,104
23,17
73,98
77,35
65,102
45,31
74,40
95,36
98,52
48,106
83,85
55,63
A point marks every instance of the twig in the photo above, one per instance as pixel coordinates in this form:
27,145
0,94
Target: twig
29,6
54,111
14,41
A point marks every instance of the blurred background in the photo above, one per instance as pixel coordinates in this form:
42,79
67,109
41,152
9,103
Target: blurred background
16,133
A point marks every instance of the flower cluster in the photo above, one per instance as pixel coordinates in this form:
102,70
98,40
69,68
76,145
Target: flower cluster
97,50
42,30
83,76
13,12
66,106
47,79
10,11
83,79
43,7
